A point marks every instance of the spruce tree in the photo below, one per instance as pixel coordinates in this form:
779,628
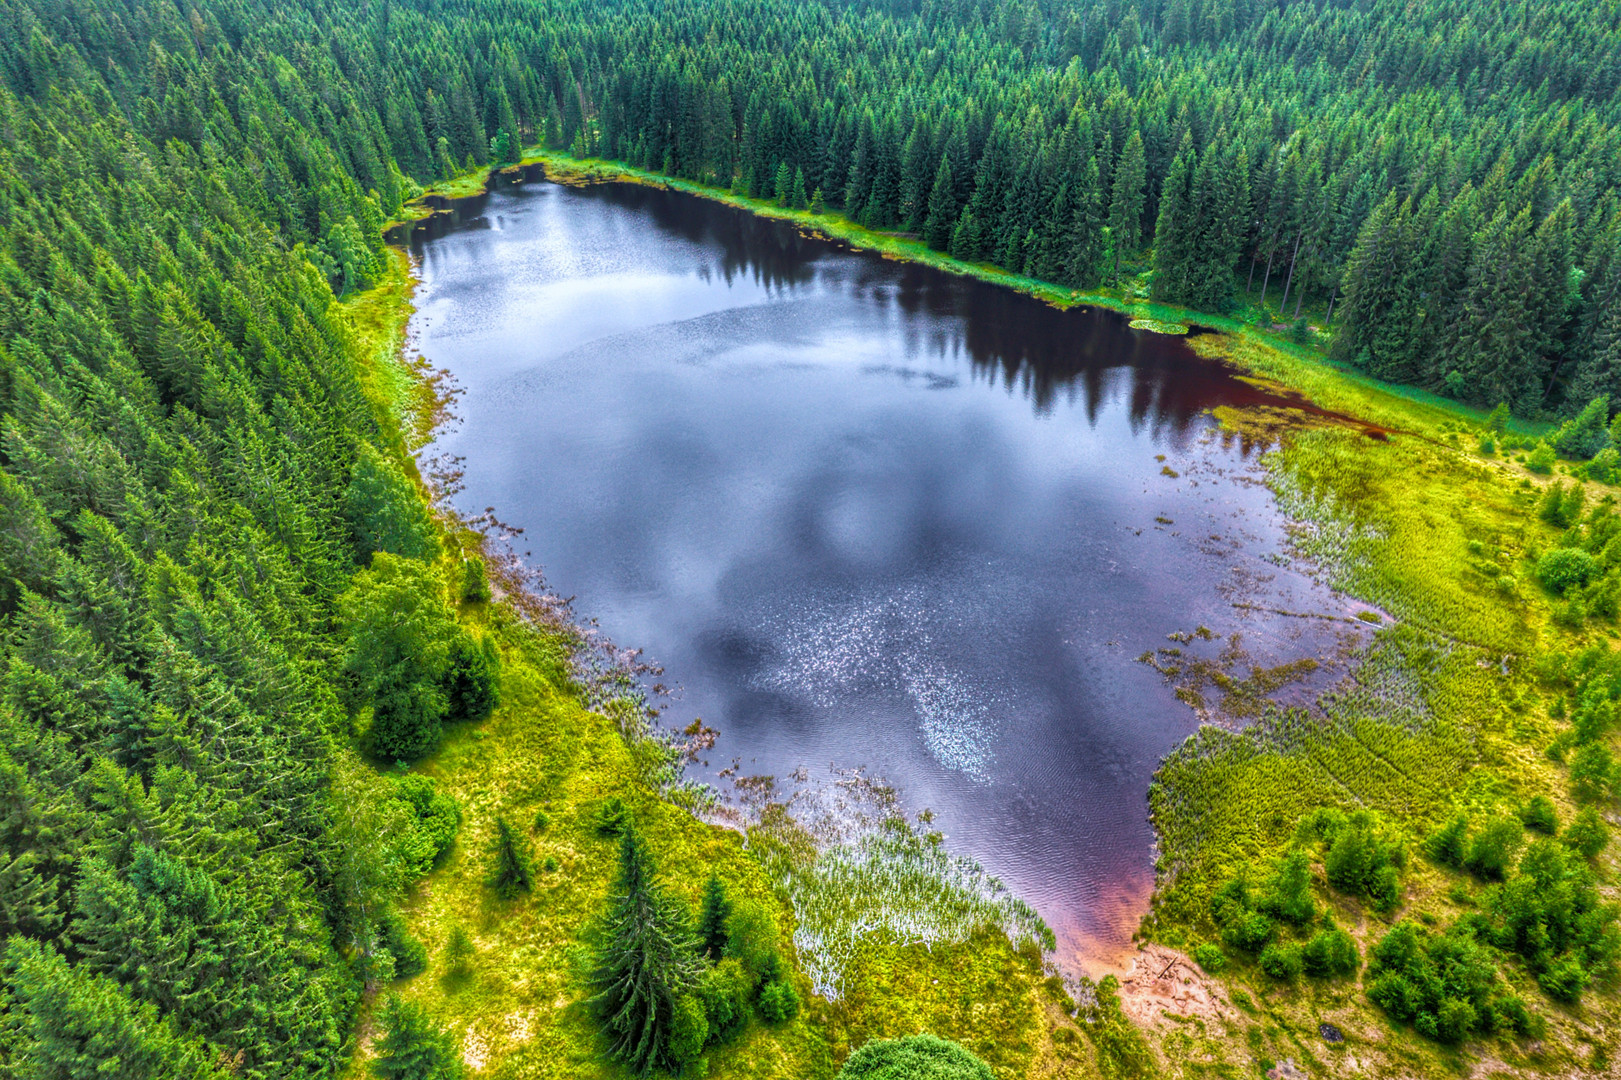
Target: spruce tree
942,213
717,909
646,960
1126,201
1176,233
512,865
413,1047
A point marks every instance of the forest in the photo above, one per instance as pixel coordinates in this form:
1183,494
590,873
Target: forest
227,608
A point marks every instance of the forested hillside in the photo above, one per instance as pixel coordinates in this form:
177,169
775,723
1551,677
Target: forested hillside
193,486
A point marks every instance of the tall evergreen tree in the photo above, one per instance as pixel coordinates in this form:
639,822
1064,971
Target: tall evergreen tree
645,961
1126,201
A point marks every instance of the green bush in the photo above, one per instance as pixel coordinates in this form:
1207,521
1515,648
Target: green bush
611,817
1210,957
386,512
1592,772
1288,896
472,679
1565,980
1587,834
725,990
1563,569
1584,434
751,938
1363,857
1440,985
1539,815
1450,845
689,1030
1282,962
410,955
511,863
413,1047
1542,459
918,1057
475,581
779,1002
1493,848
1605,466
459,951
1331,952
435,819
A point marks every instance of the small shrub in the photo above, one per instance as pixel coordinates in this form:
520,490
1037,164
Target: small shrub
459,951
1493,848
611,817
543,821
511,864
473,680
1449,846
1539,815
1542,459
475,581
1250,933
1282,962
1565,568
1210,957
1565,980
689,1030
1587,834
779,1002
410,955
550,864
724,991
751,938
1592,772
917,1057
1330,953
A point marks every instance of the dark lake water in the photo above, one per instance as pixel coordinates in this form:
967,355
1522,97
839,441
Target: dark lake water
868,514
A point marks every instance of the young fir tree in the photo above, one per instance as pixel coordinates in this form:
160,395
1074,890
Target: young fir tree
646,961
717,909
413,1047
513,870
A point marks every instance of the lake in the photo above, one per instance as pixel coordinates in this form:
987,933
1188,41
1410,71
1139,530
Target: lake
869,514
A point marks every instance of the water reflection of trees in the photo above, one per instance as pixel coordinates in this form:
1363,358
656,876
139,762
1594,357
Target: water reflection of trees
1085,357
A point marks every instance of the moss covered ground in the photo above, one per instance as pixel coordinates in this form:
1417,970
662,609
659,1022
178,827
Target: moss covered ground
1443,711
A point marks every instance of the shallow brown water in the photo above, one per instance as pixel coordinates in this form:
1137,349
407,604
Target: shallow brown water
866,513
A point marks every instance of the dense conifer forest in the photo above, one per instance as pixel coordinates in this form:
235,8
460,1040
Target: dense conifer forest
214,555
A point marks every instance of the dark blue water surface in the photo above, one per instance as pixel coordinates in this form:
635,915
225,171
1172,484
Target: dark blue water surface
865,513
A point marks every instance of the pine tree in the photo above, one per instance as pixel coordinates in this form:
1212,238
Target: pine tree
413,1047
717,909
798,199
512,865
647,960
